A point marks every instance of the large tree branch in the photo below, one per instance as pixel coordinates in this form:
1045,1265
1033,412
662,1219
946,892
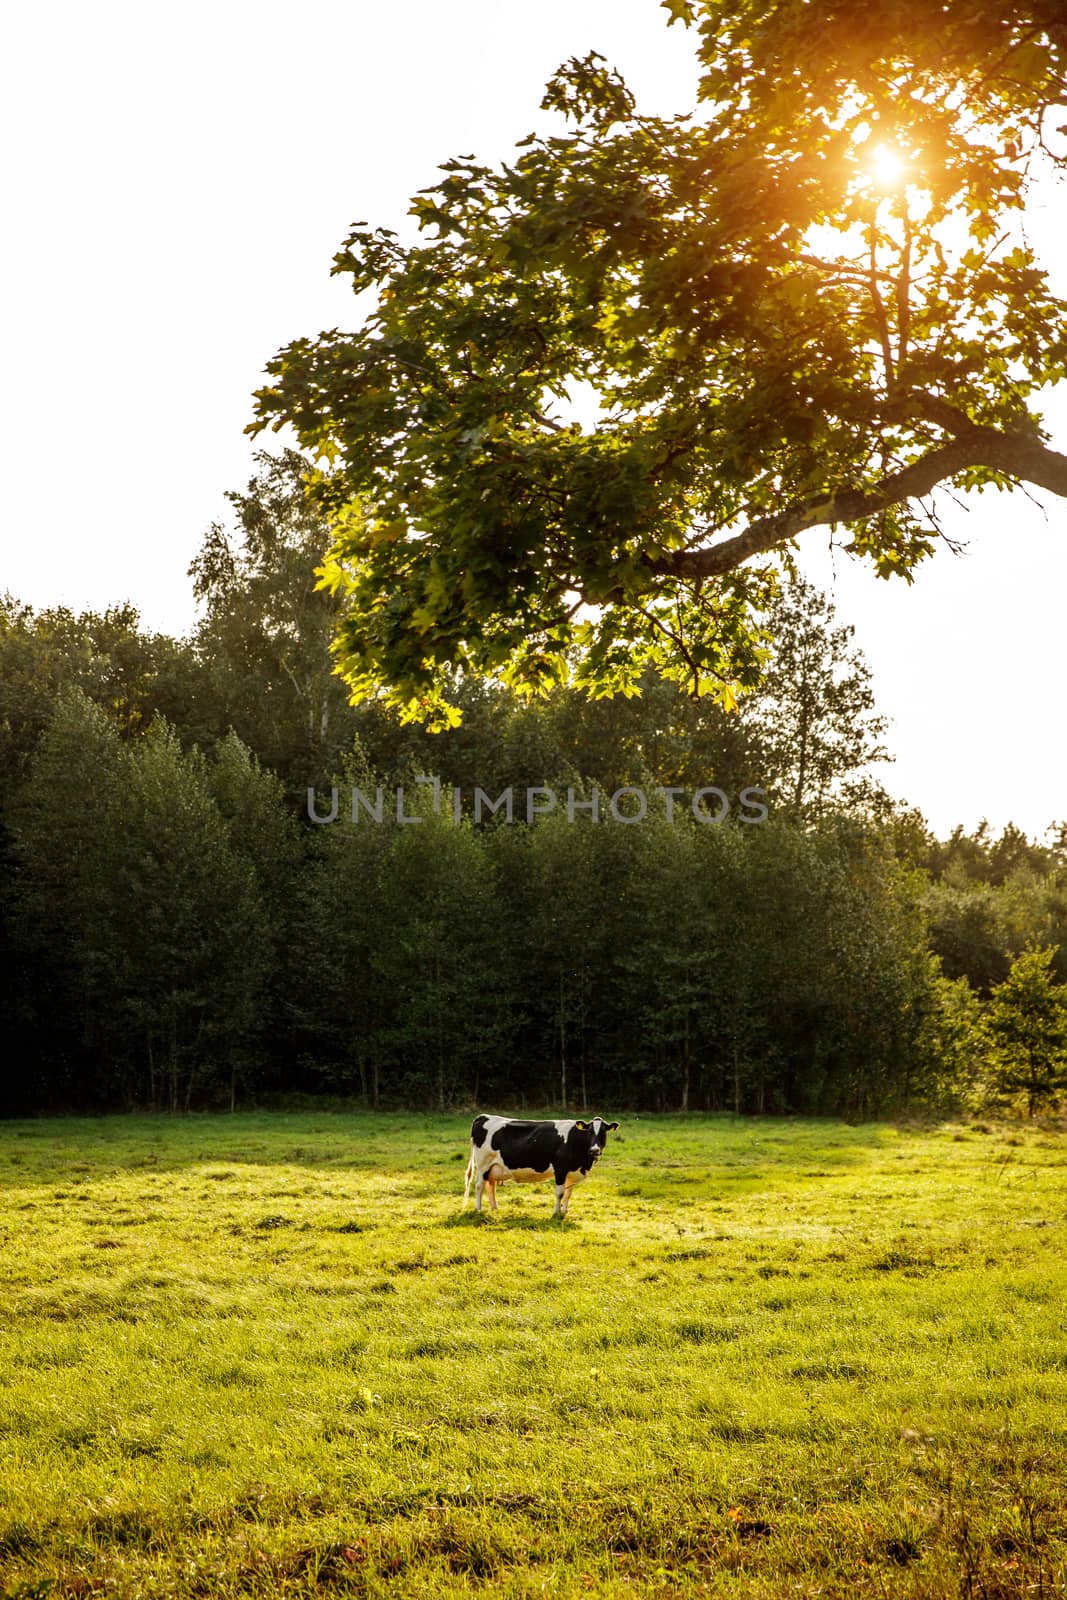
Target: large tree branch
1018,455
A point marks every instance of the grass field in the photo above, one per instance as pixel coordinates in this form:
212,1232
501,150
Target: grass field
268,1355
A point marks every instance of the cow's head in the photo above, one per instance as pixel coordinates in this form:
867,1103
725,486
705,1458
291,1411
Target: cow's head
597,1130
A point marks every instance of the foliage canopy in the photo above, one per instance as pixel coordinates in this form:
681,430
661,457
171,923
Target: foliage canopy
810,302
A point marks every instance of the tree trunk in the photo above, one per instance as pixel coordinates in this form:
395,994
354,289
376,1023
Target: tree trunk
440,1045
685,1065
802,751
562,1050
173,1067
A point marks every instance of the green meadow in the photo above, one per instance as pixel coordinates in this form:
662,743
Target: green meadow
262,1355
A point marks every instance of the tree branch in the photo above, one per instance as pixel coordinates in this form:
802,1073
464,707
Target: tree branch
903,291
881,320
1018,455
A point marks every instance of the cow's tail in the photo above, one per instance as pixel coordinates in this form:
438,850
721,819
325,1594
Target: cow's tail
467,1184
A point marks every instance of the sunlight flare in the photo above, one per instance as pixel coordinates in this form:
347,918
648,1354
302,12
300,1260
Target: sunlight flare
887,166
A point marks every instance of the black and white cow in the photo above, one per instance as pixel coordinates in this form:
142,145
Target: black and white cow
529,1152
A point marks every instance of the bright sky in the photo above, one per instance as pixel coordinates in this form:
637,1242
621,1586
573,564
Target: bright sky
177,182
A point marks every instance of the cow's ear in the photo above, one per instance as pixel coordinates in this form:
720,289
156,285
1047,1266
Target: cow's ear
612,1125
581,1126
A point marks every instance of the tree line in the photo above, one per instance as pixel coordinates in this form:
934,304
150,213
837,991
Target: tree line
177,933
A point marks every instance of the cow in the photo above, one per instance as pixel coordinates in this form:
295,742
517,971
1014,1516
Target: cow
503,1149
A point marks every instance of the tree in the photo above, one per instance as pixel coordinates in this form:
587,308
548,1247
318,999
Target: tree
1027,1028
667,955
560,902
263,836
129,674
950,1042
189,924
337,1001
656,737
810,303
815,712
437,954
966,930
62,934
965,858
140,930
264,639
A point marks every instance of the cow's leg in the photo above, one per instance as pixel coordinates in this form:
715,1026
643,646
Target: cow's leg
479,1185
467,1183
559,1172
491,1182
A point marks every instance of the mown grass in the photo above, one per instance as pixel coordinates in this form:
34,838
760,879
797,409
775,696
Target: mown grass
267,1355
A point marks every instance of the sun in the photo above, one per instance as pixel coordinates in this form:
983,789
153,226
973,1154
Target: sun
887,166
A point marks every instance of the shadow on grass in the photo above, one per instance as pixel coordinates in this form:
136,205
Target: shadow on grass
504,1219
700,1155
